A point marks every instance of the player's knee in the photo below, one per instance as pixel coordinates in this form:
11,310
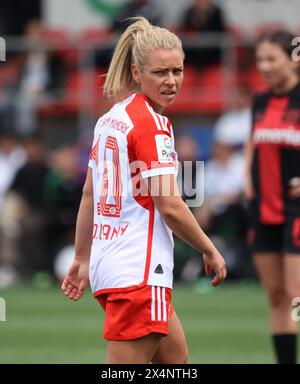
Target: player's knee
185,356
181,356
277,297
175,355
293,294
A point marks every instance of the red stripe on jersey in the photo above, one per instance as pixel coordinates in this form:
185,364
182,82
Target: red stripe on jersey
122,289
143,121
274,112
150,239
271,202
270,179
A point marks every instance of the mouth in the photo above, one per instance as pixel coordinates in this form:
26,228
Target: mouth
169,93
268,76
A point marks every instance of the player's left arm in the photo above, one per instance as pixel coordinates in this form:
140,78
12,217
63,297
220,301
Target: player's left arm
181,221
248,183
77,278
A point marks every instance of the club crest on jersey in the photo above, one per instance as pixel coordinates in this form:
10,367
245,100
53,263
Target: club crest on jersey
163,148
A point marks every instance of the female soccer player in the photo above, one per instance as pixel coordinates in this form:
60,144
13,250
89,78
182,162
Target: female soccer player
273,187
126,218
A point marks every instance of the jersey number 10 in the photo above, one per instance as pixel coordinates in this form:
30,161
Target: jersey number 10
110,202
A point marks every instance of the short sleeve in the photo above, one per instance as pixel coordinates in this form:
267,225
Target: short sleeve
155,154
93,157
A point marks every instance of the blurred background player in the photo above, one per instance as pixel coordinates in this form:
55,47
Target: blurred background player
40,71
202,17
128,251
273,187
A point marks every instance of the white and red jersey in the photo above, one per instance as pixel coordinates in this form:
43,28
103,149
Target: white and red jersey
132,246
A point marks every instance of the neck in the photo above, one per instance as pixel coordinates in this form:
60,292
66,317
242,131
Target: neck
287,85
157,108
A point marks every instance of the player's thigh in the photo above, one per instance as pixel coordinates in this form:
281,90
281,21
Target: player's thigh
270,270
173,348
292,274
138,351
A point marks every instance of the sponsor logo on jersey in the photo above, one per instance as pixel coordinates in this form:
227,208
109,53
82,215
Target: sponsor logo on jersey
163,148
277,136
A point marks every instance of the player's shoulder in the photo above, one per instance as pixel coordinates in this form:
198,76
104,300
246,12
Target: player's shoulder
144,118
260,100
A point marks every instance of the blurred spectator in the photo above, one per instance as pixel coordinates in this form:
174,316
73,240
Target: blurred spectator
203,16
223,185
136,8
222,214
39,211
12,157
15,15
188,262
187,151
41,71
119,23
62,195
234,126
22,222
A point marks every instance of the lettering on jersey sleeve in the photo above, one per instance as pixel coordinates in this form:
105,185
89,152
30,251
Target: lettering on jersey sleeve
164,148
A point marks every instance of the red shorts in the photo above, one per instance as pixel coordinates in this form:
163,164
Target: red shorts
134,314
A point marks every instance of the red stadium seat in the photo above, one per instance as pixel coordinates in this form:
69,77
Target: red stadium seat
9,72
60,37
83,90
201,91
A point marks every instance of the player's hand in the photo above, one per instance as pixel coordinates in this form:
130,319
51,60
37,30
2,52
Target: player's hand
76,281
294,191
215,263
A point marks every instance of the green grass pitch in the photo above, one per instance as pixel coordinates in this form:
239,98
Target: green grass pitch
228,324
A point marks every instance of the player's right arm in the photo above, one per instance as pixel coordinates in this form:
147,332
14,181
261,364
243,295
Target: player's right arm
77,278
181,221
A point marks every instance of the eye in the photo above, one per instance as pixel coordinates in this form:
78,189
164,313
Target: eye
177,71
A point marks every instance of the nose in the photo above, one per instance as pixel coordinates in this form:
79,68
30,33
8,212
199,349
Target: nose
264,66
170,79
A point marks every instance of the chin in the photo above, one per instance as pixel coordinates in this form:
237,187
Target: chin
167,103
171,102
271,82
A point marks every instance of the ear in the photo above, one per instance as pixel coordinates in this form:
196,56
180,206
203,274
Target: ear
135,74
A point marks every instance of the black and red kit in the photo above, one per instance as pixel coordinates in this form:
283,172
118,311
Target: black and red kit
276,165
